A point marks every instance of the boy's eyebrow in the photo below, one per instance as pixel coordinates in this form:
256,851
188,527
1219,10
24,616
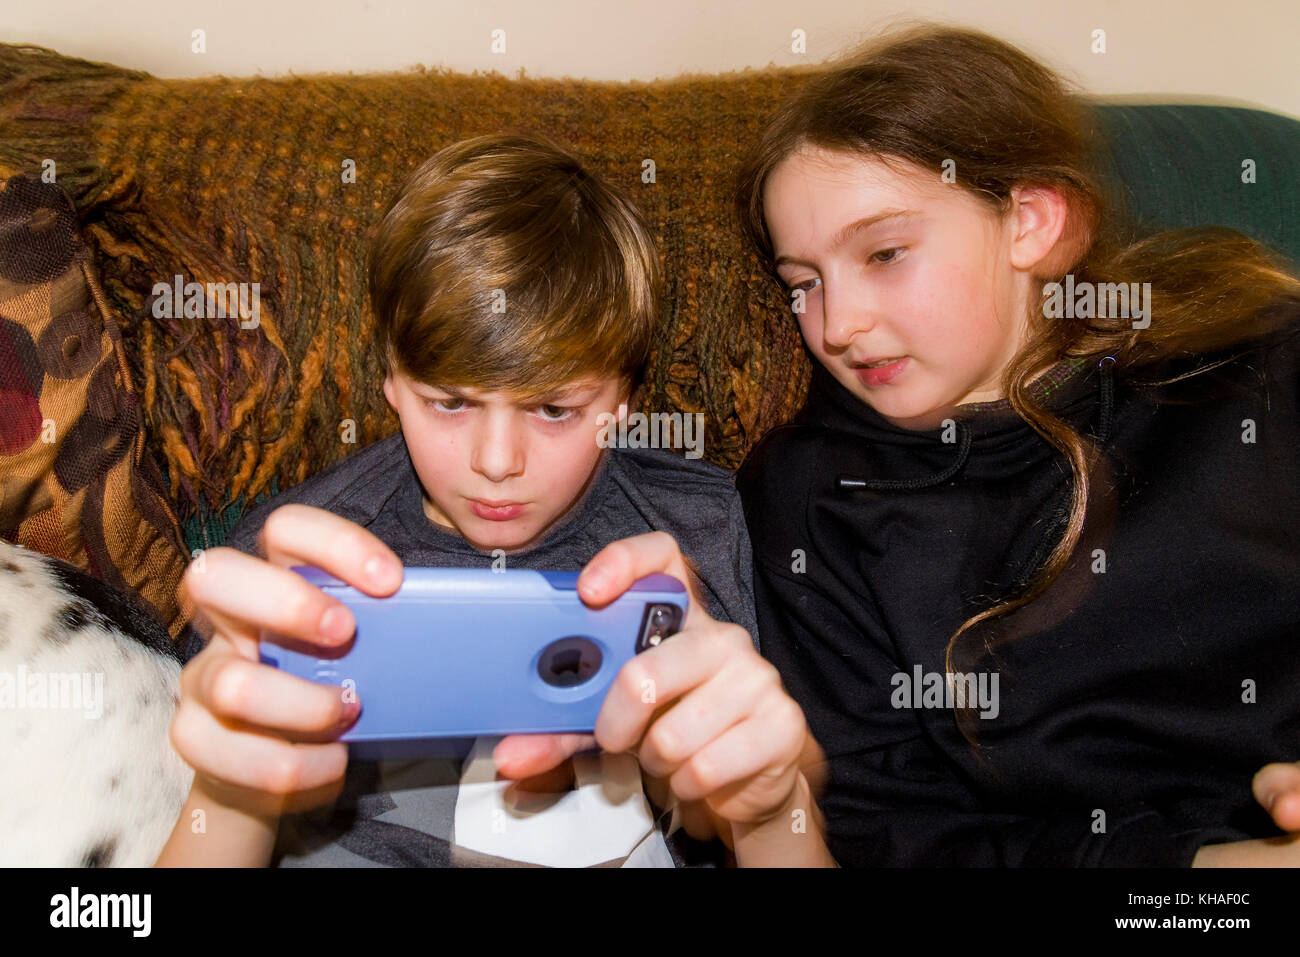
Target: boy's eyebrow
543,398
564,392
416,387
853,228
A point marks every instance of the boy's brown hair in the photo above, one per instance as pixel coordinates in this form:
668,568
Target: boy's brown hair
502,264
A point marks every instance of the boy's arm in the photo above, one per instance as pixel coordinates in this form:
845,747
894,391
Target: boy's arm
767,845
209,833
794,837
264,743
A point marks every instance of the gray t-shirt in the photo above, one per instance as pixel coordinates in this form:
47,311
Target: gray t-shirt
403,813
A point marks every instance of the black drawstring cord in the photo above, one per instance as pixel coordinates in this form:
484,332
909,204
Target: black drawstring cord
849,483
1107,397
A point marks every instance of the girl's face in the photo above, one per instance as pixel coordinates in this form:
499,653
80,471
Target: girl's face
910,297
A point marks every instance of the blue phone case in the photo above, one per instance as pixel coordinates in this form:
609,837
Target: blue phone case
459,652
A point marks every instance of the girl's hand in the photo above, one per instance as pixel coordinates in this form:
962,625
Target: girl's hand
260,740
703,711
1277,789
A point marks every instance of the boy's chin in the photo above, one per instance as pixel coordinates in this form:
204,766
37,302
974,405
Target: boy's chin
489,536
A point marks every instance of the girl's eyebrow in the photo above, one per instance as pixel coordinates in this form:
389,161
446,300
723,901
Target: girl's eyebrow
852,229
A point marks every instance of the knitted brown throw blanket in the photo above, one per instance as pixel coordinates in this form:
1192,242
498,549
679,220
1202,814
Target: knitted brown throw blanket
239,180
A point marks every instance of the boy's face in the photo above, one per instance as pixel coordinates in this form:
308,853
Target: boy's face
928,286
496,469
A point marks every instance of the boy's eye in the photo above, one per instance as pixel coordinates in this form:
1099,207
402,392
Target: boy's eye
447,405
555,413
887,255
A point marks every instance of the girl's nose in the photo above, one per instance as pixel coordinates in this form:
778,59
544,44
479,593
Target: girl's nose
844,316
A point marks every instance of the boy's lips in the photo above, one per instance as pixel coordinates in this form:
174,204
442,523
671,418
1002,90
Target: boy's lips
495,511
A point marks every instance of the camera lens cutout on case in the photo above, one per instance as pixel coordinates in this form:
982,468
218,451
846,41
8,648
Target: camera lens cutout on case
569,662
660,621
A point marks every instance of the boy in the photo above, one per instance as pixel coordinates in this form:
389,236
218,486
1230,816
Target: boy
515,299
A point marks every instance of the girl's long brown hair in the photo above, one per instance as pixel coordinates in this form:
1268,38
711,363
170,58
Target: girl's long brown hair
931,94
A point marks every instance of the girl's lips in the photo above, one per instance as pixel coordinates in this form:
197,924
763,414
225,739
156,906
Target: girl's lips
881,374
495,513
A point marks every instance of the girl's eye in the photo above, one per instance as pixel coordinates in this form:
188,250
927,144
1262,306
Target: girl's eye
555,413
805,286
447,405
886,256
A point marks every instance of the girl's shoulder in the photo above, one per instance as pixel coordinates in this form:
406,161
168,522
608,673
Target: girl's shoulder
776,480
1268,360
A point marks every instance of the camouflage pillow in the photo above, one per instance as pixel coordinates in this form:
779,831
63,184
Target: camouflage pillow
75,482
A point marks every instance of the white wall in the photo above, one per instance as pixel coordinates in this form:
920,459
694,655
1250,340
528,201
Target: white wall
1244,51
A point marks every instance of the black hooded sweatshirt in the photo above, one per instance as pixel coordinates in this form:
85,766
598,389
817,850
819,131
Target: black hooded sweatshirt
1128,706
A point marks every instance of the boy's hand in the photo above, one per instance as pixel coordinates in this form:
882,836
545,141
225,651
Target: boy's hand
258,739
703,711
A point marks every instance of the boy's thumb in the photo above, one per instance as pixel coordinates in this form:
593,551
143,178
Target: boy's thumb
525,755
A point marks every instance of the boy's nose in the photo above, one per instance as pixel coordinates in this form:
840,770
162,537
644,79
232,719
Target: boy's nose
499,451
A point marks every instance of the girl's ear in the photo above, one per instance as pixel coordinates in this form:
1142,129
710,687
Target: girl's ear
1038,224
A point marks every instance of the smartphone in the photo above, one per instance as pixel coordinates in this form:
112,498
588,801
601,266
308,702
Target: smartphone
456,653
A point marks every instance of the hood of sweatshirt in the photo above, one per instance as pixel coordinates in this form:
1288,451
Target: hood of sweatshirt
983,440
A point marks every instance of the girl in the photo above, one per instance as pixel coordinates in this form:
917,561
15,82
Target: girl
1032,572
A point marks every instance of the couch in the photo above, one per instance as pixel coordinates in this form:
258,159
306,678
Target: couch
192,421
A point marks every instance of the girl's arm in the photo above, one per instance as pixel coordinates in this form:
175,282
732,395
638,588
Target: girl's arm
1277,789
896,802
1264,852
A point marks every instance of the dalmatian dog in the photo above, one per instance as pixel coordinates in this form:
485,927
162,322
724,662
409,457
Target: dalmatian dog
89,683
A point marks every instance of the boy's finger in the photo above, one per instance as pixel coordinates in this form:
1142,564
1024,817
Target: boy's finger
758,751
1277,789
248,759
617,566
244,595
304,535
557,780
224,631
704,713
526,755
661,674
257,695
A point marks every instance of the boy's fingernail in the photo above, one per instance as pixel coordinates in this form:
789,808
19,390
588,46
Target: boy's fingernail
378,569
592,581
334,624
